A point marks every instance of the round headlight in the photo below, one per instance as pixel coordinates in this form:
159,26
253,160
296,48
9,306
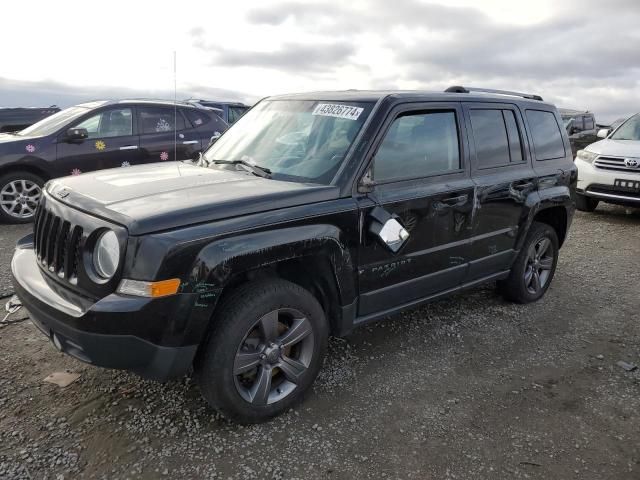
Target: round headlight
106,254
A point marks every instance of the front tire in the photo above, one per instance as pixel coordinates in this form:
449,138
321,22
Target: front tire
265,350
19,196
586,204
533,269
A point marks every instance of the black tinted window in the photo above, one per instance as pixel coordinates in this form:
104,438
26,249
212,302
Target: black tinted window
547,139
160,120
109,123
589,124
490,136
515,144
417,145
578,124
235,113
197,118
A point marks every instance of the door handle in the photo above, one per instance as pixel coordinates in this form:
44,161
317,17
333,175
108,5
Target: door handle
522,185
129,147
190,142
455,201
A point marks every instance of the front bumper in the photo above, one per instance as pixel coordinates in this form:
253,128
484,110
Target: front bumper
131,333
598,183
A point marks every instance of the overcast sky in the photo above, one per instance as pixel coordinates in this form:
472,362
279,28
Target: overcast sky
577,53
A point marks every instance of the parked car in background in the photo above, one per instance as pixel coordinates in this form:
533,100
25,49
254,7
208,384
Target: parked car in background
15,119
581,128
94,136
230,112
609,170
312,215
612,126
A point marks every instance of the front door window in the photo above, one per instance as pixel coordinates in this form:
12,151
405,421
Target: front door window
109,123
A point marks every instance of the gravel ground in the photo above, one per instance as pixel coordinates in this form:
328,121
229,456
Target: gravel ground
468,387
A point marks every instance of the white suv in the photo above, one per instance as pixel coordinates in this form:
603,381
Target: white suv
609,170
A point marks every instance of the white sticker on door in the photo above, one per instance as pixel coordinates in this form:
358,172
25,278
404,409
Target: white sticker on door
336,110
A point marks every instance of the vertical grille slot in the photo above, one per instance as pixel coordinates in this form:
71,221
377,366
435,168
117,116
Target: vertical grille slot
36,222
44,236
60,249
72,255
51,244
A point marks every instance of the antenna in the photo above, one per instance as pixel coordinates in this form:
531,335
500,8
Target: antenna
175,109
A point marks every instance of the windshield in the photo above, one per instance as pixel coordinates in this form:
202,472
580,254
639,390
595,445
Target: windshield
630,130
297,140
50,124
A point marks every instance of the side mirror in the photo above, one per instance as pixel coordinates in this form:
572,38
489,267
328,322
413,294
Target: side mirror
603,133
77,134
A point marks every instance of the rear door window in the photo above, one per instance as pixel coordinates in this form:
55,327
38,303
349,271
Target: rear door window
545,132
160,120
197,118
496,137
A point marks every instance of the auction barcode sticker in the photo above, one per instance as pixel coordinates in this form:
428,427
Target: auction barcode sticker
337,110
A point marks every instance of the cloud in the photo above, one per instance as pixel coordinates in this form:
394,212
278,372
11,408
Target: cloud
289,57
584,54
16,93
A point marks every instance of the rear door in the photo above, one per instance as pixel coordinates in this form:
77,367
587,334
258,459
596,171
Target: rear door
112,142
421,176
165,135
501,169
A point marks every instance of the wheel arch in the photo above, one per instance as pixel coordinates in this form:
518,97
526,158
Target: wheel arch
557,218
31,168
313,256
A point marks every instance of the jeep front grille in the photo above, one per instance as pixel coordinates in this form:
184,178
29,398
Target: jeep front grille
614,163
57,244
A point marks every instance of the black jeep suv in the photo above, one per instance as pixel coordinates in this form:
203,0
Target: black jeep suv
313,214
94,136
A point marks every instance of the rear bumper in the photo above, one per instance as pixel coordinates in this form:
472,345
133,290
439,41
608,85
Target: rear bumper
110,332
598,183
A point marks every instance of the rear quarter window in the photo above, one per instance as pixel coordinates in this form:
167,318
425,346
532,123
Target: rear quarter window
197,118
545,132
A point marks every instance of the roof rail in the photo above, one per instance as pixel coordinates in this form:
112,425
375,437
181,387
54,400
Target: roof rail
459,89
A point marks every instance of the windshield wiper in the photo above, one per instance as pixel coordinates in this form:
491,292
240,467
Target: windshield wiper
256,169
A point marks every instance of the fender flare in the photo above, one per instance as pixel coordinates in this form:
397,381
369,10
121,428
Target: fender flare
220,260
558,196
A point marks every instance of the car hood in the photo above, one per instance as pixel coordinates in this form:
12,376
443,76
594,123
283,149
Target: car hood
616,148
161,196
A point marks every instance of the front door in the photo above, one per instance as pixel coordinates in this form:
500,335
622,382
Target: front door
421,177
112,142
164,135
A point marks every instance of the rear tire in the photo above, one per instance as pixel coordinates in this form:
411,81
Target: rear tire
533,269
19,196
265,350
586,204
